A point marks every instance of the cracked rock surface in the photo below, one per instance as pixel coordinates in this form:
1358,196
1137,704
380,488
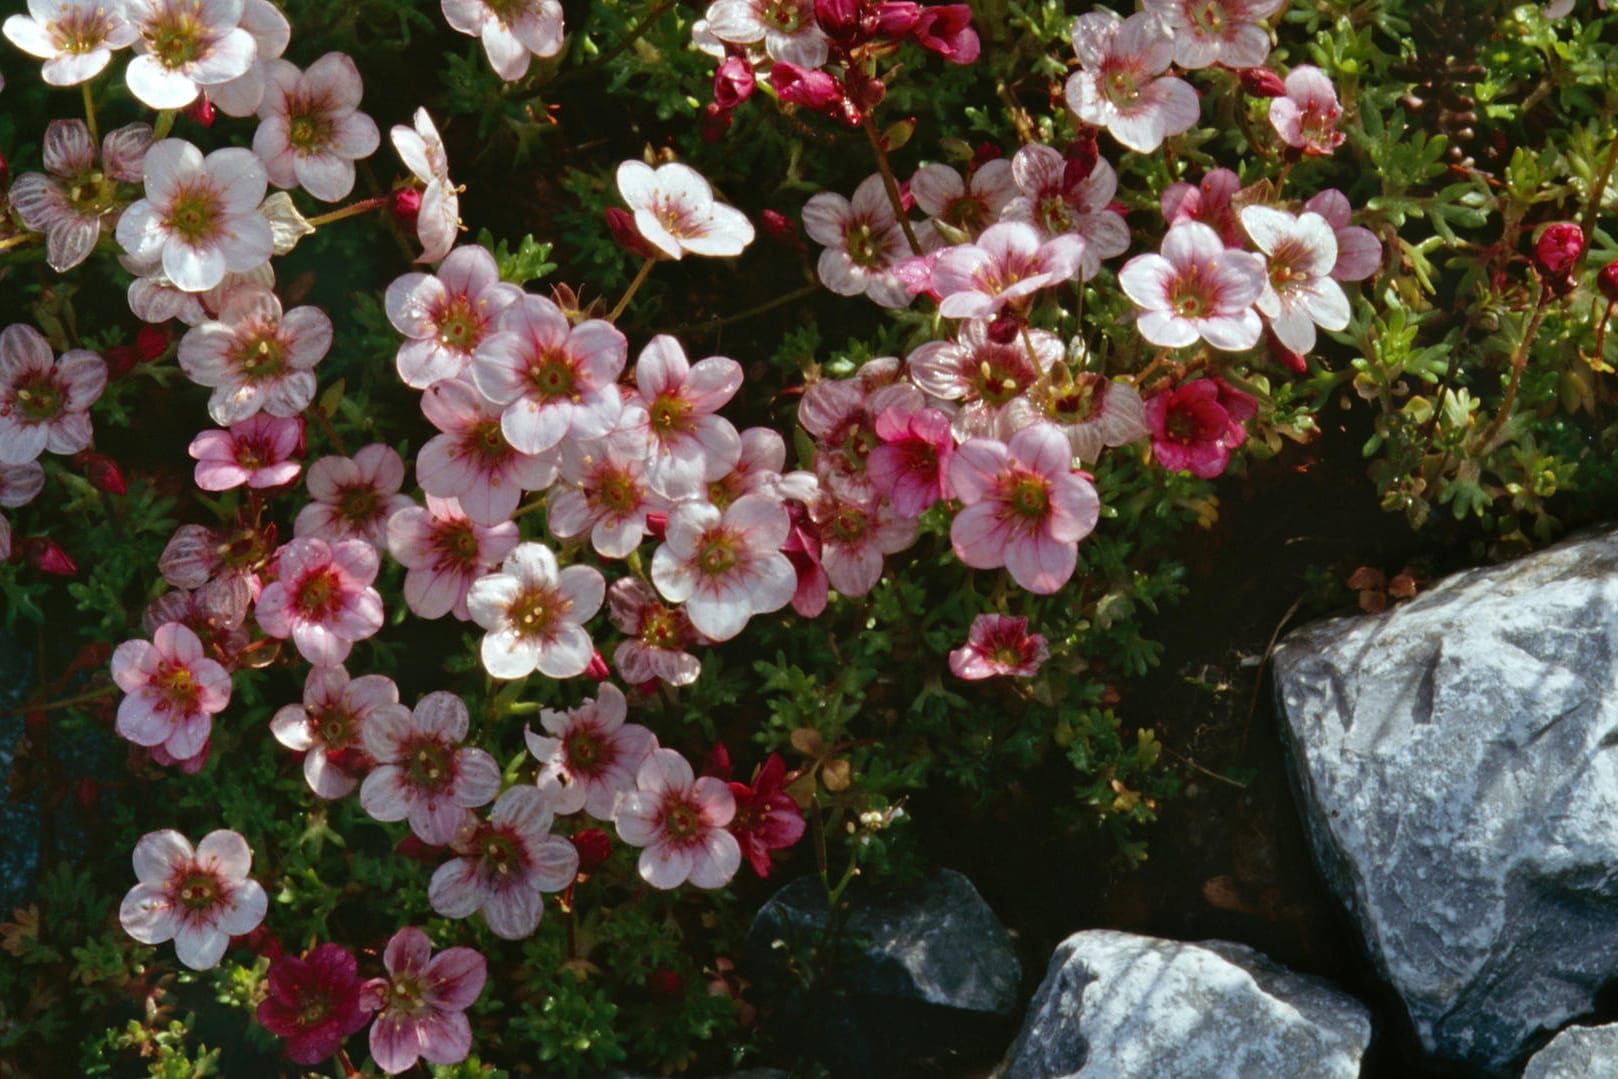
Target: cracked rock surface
1455,763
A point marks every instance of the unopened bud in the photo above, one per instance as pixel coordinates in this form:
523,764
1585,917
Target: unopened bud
593,847
45,555
200,111
405,204
657,524
597,667
1284,356
1607,281
665,984
1557,249
1261,82
621,223
1005,328
102,472
778,226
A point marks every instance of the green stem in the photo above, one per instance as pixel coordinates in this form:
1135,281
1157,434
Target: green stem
635,33
90,113
768,305
65,702
15,241
634,287
1519,360
889,181
1597,190
352,210
165,124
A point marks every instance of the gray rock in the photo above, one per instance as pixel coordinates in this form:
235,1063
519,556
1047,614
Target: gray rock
1121,1006
936,943
1453,760
1577,1053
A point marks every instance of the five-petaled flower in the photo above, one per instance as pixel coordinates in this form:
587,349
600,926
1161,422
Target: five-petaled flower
680,822
199,898
421,1005
172,691
999,644
676,212
422,772
314,1002
505,866
535,612
589,755
322,597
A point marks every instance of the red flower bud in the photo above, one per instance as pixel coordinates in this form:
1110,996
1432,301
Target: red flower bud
1607,281
985,153
801,86
1557,249
621,223
897,18
597,667
778,226
1082,156
593,847
657,524
152,341
200,111
405,203
417,851
665,984
733,83
102,472
1284,356
1261,82
1005,328
718,762
43,554
260,942
947,30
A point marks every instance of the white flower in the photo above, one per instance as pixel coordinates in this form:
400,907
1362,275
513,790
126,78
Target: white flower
200,215
1299,293
535,613
311,131
439,217
184,46
512,31
676,213
75,38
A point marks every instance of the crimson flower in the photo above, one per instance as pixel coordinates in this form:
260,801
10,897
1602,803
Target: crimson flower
314,1002
766,816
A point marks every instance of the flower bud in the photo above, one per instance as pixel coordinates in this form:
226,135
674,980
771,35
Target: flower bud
896,18
45,555
200,111
102,472
597,667
1607,281
946,29
405,204
593,847
1261,82
1557,249
665,984
1082,156
621,223
151,341
1005,328
1284,356
801,86
657,524
733,83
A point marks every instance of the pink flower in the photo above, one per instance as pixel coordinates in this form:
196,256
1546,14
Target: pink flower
328,728
1055,203
1208,202
506,866
674,425
854,537
863,243
766,816
512,31
591,754
185,45
75,204
445,552
255,357
999,645
314,1002
1006,265
680,822
472,461
438,218
725,566
605,494
420,773
1359,252
1208,32
1306,119
257,451
1093,411
656,635
1197,424
21,484
972,203
354,497
75,38
554,380
200,215
1117,86
44,401
322,598
911,467
172,691
787,28
421,1005
535,614
1299,293
1025,507
758,471
310,129
946,29
675,211
448,316
841,414
981,374
197,898
1196,289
